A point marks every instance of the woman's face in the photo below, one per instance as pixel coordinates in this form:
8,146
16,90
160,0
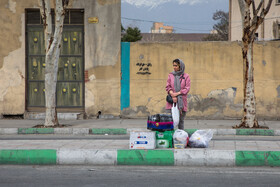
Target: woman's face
176,67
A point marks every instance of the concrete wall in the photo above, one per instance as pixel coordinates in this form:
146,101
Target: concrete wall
266,30
102,56
12,56
102,53
215,69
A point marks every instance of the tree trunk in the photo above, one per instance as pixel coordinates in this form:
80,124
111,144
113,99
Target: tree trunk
53,45
250,27
249,103
50,87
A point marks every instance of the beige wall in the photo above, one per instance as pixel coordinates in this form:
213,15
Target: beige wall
12,56
215,69
102,50
102,56
265,31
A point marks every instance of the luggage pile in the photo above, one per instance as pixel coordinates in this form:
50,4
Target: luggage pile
162,135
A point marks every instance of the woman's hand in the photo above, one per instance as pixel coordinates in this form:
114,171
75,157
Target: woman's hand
171,93
174,99
175,94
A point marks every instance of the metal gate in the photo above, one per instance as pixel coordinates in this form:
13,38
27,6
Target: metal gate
70,79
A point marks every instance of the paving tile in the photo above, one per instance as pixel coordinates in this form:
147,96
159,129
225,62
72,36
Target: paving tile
269,146
221,145
250,145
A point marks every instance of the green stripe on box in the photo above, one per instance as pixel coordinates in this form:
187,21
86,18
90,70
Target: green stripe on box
35,131
190,131
260,132
257,158
45,157
108,131
145,157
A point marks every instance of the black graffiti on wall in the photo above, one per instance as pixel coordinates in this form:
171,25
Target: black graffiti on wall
144,68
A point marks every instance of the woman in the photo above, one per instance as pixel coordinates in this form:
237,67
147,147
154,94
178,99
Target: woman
178,86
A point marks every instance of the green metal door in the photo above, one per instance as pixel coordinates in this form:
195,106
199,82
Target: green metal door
70,80
70,69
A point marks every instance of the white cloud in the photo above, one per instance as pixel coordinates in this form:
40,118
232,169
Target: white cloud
155,3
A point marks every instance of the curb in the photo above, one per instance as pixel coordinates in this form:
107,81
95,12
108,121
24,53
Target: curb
27,157
123,131
174,157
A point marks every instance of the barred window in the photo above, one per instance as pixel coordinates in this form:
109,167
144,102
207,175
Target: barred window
72,16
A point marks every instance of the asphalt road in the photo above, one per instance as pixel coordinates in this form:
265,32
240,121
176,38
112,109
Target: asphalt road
137,176
126,137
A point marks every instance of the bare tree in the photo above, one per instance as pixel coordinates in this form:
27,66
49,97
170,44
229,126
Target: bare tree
52,48
250,26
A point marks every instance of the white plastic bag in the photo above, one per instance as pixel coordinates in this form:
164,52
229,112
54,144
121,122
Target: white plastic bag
175,115
200,138
180,137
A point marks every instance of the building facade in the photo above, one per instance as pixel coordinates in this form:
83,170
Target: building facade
268,30
89,64
159,27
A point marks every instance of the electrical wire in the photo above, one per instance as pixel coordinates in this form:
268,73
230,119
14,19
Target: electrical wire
181,23
168,22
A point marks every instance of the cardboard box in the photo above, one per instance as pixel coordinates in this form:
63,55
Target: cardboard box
142,140
164,139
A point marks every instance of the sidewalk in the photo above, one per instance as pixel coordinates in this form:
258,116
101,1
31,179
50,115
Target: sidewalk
117,152
124,126
132,123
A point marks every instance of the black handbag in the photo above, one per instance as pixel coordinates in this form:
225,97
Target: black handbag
169,99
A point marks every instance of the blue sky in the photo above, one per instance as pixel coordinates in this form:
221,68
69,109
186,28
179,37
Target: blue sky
186,16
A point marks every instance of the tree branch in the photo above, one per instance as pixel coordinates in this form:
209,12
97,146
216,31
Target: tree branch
259,7
259,19
45,10
65,3
267,7
42,6
249,2
254,8
242,10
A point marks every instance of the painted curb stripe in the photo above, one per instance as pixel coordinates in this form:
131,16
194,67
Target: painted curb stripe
86,156
8,131
246,132
260,132
35,131
257,158
108,131
42,157
139,157
145,157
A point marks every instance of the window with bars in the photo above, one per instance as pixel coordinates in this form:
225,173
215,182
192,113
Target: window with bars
72,17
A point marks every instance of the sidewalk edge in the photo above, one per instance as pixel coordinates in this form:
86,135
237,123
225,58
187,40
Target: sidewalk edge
163,157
